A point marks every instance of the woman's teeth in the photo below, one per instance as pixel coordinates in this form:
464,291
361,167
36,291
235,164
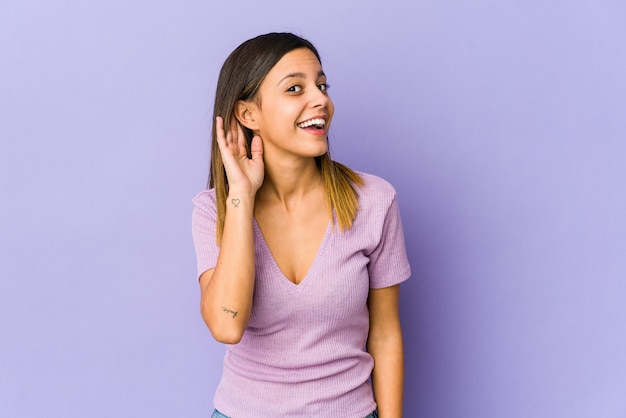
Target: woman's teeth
318,123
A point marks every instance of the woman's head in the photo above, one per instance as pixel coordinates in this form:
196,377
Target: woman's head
240,81
245,69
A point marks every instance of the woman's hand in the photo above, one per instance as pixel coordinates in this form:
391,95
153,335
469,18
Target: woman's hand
245,175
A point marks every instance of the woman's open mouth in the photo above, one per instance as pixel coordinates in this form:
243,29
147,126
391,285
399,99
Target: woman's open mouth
316,123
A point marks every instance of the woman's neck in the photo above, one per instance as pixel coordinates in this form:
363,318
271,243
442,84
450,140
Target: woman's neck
289,183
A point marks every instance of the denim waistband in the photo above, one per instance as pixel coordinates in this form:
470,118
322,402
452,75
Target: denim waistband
218,414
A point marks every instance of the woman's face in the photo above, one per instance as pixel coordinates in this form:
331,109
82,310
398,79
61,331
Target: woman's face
294,110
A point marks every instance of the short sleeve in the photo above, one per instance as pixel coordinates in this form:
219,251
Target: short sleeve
389,264
203,226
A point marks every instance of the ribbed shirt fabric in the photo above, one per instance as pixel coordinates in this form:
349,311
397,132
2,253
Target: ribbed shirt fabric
303,353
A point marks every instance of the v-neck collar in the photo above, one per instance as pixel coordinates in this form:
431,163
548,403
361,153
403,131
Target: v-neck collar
267,252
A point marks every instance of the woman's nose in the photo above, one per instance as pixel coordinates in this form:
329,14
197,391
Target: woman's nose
319,98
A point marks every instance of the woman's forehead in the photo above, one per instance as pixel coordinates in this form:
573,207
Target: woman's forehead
300,63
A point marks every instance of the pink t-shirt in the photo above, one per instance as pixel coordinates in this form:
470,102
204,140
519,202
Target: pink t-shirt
303,353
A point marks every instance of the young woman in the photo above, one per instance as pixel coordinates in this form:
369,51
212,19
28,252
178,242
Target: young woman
299,257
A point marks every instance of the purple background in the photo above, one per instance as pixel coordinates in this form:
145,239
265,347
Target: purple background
502,125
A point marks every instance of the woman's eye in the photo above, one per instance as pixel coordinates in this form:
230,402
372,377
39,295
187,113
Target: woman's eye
323,86
294,89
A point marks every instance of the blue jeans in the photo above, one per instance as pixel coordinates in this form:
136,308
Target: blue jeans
218,414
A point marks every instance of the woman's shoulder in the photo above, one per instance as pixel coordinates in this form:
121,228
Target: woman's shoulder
205,200
204,197
375,186
375,195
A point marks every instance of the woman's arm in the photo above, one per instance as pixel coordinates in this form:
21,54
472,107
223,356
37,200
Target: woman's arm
226,299
384,343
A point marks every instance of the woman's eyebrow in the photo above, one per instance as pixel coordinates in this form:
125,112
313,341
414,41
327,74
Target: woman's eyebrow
300,75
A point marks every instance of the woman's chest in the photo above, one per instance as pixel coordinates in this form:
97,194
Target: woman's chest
335,288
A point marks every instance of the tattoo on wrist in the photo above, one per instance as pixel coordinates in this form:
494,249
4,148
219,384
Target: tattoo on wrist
235,202
228,311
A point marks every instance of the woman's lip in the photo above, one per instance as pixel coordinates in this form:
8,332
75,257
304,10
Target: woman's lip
311,130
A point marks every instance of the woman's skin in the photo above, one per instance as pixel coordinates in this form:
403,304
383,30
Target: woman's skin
282,188
385,345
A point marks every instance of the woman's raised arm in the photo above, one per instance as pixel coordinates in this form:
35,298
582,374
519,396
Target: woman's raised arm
226,290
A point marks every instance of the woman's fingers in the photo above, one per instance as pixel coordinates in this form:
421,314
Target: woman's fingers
241,137
234,135
233,138
219,129
256,149
242,172
225,139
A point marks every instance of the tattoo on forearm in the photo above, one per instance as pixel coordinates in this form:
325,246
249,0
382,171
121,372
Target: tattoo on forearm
235,202
228,311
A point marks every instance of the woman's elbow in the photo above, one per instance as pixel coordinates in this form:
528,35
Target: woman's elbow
228,332
226,336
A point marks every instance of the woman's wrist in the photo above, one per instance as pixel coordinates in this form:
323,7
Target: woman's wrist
242,194
240,200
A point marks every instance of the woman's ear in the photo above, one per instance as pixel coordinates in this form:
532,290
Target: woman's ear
245,112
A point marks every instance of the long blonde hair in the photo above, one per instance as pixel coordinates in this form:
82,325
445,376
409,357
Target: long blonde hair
240,78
